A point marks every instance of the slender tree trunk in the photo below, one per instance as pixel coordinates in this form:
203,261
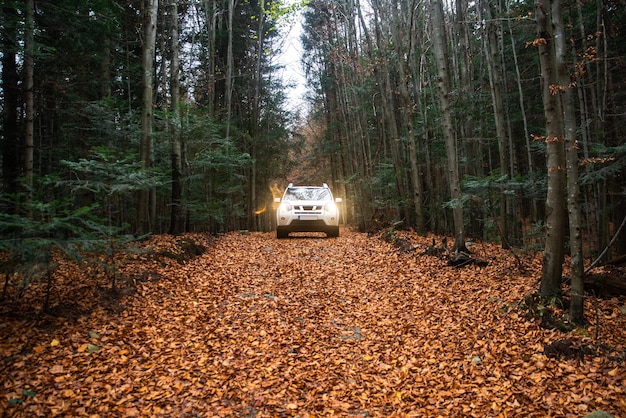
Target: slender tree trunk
430,178
444,90
600,110
11,158
591,196
387,127
520,91
255,125
105,68
230,63
575,219
462,59
391,128
210,17
565,88
492,55
407,117
555,200
177,146
29,47
145,222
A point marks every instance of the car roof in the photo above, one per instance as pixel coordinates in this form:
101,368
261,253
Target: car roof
324,186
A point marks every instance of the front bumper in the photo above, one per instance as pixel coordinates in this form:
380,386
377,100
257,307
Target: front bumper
304,218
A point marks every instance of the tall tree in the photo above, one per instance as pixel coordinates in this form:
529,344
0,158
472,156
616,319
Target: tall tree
399,28
522,105
554,138
230,64
29,65
565,89
146,210
444,90
492,55
177,141
11,158
255,114
390,127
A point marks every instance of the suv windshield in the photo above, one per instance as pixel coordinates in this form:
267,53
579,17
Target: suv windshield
307,193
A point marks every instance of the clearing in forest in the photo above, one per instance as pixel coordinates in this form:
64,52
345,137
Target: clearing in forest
309,326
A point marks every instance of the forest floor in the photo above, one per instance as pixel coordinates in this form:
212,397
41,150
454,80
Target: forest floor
307,326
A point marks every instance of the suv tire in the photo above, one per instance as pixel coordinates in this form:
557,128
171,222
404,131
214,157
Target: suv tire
332,232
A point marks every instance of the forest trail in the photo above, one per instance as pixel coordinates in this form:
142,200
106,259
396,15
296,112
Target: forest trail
308,326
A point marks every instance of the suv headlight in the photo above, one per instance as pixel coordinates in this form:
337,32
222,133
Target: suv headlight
284,207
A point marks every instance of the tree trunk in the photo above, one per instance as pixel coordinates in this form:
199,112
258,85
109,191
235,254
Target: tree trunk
230,63
407,117
11,157
390,126
210,17
520,92
255,120
29,52
145,223
444,91
492,55
555,200
177,146
571,153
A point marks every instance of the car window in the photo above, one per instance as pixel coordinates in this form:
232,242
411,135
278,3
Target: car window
307,193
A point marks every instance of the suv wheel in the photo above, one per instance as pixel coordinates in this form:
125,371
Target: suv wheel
281,233
332,232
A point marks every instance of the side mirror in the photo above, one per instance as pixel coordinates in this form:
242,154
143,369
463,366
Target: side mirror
277,200
338,200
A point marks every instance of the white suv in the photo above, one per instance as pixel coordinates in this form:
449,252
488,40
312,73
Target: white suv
307,209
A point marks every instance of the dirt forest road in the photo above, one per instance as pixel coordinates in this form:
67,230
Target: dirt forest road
308,326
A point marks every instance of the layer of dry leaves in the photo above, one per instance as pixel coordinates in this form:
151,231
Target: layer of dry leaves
307,326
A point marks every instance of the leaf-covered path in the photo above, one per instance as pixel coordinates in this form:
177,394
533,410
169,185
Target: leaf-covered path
307,326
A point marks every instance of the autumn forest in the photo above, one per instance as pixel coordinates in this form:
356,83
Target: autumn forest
482,139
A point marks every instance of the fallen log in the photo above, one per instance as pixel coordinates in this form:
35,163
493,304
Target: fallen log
462,259
612,283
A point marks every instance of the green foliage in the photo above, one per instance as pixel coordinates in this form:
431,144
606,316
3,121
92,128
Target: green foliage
489,188
285,10
106,122
217,181
30,241
535,237
608,162
111,177
110,173
482,198
384,188
54,219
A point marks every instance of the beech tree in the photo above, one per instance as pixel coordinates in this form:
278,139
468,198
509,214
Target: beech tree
565,90
444,90
177,143
492,56
29,62
146,207
11,160
407,105
554,139
389,128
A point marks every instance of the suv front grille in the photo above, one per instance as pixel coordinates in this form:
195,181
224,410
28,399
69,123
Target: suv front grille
308,209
